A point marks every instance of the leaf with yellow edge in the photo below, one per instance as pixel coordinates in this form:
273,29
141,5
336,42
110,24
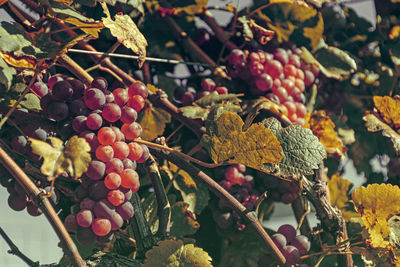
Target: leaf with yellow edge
374,124
339,196
89,27
377,203
227,142
389,109
126,32
323,127
74,157
153,121
171,253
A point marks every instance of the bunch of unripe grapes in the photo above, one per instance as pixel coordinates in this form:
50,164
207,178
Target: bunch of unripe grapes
187,95
281,76
291,245
107,121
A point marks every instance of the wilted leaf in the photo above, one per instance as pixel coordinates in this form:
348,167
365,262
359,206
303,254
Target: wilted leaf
6,74
195,112
228,143
31,102
374,124
183,221
333,62
153,121
346,135
195,194
377,203
214,98
339,189
301,148
389,109
73,158
126,32
323,127
294,21
170,253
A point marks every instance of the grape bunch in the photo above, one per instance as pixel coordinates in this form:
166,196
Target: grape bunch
291,245
187,95
242,187
278,189
107,121
280,76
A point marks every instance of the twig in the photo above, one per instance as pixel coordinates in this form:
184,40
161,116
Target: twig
183,155
208,18
163,206
34,193
298,210
14,107
248,216
77,70
14,250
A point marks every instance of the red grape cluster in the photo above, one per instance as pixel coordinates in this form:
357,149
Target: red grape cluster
186,95
242,187
280,76
107,121
291,245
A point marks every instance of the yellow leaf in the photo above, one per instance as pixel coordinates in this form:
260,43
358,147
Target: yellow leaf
389,109
25,62
186,178
394,32
126,32
73,158
171,253
339,196
377,203
153,121
323,127
91,28
228,143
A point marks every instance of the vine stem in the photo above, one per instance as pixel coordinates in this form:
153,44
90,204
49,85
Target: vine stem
14,250
208,18
183,155
77,70
248,216
34,193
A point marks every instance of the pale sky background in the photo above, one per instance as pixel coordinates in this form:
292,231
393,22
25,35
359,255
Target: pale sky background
35,237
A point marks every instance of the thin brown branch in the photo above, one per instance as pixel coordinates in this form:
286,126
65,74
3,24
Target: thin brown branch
163,206
248,216
75,69
14,250
208,18
34,193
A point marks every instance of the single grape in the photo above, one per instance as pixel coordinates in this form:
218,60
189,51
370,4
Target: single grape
40,89
62,91
145,155
17,201
70,223
94,121
302,243
77,86
121,96
116,221
84,218
119,136
208,85
221,90
135,151
87,204
78,107
104,153
132,131
112,180
94,98
291,254
19,144
116,197
98,190
53,80
273,68
101,227
103,209
114,165
111,112
236,56
32,209
121,150
126,210
106,136
138,88
96,170
130,179
129,164
109,97
128,114
79,124
187,98
288,231
57,111
100,83
281,55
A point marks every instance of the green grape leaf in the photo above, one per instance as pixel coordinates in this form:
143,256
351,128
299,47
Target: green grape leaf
210,112
374,124
333,62
183,221
153,121
302,150
293,21
74,157
228,143
31,102
195,194
6,74
214,98
195,112
126,31
170,253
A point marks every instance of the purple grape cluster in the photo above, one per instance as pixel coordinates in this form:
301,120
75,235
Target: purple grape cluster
241,186
291,245
186,95
281,76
